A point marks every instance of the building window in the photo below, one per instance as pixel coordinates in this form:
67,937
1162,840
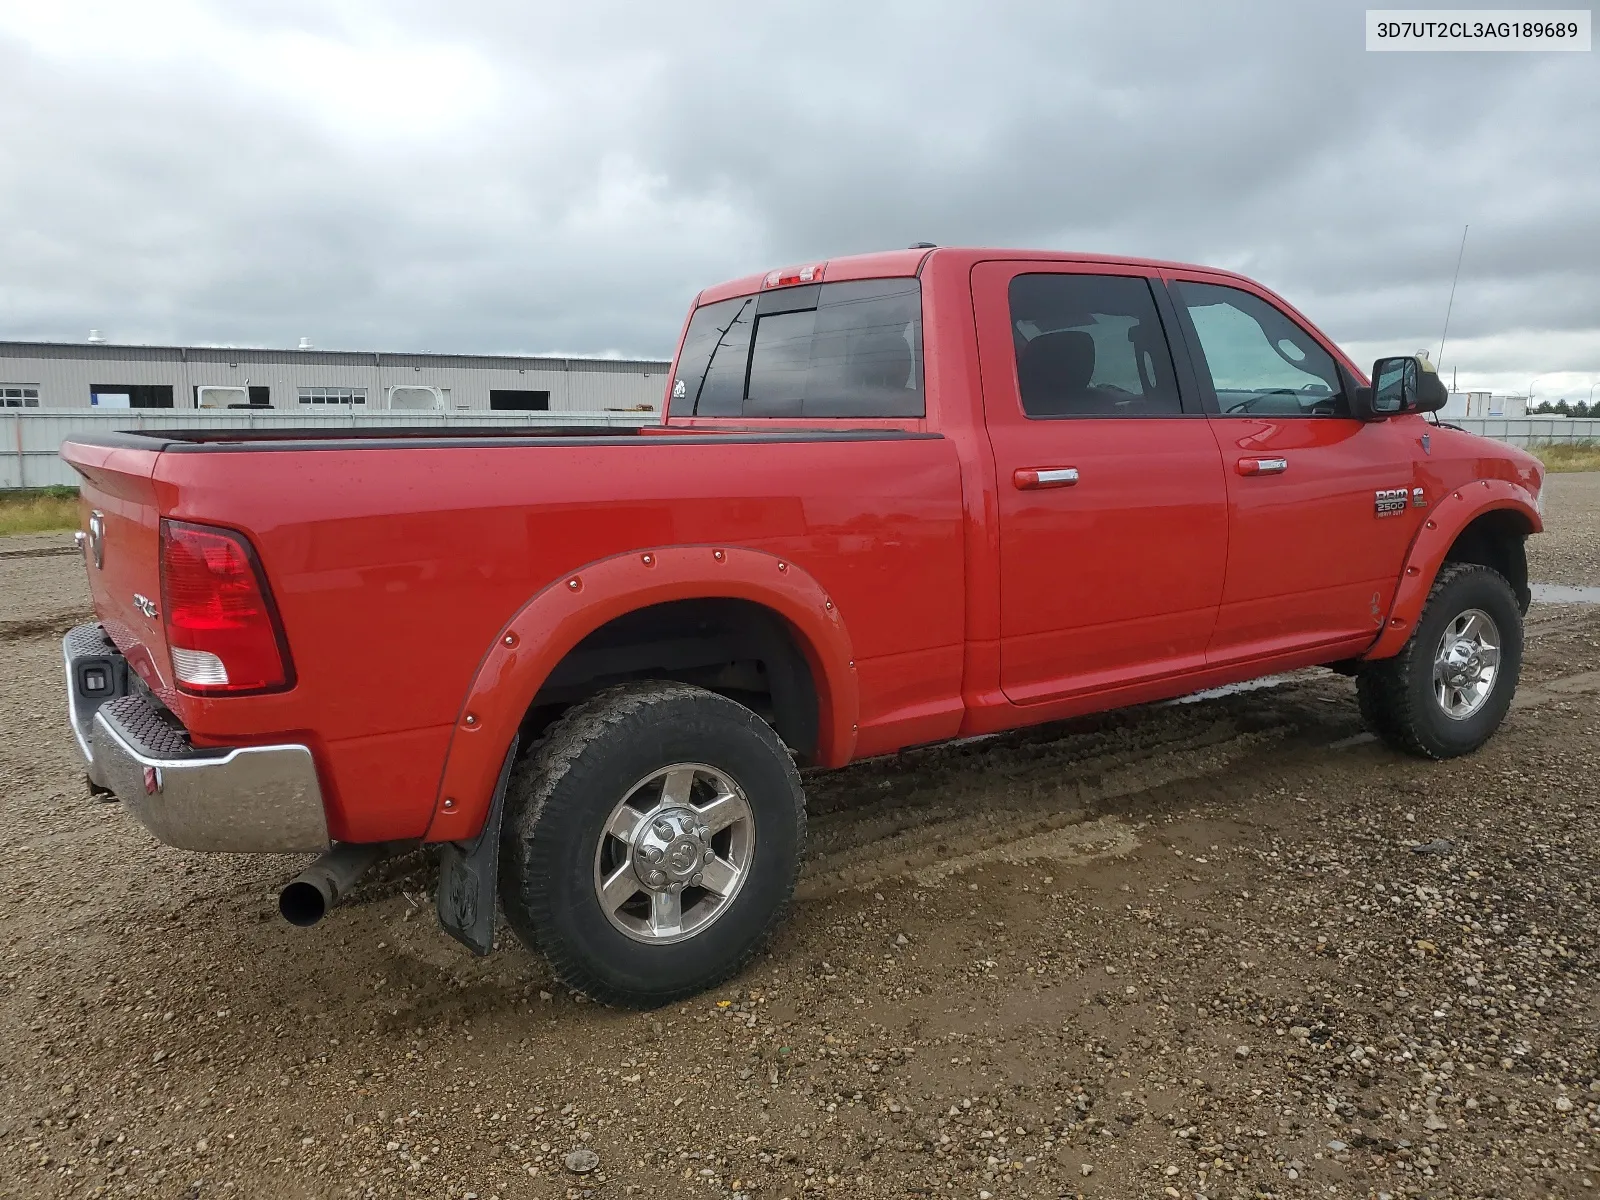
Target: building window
519,399
19,395
333,395
221,396
131,395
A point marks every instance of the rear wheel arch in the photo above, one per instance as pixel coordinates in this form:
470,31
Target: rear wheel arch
736,647
782,608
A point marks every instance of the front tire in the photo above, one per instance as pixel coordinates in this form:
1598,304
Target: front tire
651,842
1449,688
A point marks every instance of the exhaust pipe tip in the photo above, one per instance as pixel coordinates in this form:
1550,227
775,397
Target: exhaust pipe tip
303,903
307,897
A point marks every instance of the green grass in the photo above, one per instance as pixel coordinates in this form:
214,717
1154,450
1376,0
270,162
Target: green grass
38,510
1568,456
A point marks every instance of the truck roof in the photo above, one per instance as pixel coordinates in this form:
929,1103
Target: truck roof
885,264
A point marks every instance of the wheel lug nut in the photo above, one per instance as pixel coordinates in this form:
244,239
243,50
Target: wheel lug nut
709,854
655,878
697,878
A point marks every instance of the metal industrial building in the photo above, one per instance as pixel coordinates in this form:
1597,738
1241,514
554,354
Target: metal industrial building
56,375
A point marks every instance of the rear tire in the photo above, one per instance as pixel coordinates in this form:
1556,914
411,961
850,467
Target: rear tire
651,842
1450,686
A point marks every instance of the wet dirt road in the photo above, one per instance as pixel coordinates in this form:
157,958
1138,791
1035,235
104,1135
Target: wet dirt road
1229,948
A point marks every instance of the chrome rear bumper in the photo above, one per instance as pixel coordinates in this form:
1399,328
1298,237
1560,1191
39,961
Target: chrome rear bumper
242,800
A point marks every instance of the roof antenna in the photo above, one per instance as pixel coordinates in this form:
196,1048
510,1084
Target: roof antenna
1459,254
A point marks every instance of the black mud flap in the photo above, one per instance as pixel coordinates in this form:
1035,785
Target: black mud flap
468,872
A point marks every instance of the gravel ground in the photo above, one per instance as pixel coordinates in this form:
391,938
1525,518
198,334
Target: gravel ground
1229,948
1573,502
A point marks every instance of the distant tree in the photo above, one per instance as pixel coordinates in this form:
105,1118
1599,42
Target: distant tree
1582,409
1544,406
1563,408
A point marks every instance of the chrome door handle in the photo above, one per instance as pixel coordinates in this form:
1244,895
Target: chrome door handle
1263,466
1034,478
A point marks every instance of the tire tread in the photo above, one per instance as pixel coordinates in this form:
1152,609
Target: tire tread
535,779
1385,689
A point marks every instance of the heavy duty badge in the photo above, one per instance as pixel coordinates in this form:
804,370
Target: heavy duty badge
1389,501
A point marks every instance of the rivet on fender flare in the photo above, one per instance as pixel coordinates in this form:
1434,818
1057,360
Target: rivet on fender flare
783,566
472,721
510,639
1397,621
1431,525
449,802
574,584
718,555
649,560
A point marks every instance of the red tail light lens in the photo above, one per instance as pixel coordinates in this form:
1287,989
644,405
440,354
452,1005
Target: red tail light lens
222,628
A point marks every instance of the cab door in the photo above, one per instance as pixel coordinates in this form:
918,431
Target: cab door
1112,505
1320,504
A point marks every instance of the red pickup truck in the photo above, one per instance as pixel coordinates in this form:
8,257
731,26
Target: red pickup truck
896,498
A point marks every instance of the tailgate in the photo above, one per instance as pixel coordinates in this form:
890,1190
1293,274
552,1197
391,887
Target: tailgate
119,512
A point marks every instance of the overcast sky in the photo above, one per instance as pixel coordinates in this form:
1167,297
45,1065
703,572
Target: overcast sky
500,175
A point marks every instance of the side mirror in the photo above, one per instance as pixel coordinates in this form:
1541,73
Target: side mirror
1404,384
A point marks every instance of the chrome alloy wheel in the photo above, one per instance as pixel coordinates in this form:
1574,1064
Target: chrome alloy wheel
675,852
1466,663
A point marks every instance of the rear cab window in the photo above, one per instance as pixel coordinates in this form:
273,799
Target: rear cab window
847,350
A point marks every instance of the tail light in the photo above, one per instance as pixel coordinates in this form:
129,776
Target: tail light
222,628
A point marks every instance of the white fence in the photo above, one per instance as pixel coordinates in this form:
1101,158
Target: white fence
29,459
29,453
1529,431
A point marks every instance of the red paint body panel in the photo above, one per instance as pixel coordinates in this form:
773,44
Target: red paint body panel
118,485
930,596
1116,577
1309,560
531,643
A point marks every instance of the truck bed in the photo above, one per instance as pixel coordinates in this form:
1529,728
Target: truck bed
396,558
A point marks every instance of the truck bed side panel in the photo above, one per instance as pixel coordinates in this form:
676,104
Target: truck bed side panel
394,570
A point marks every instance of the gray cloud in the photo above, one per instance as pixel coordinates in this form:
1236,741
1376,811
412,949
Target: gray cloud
498,176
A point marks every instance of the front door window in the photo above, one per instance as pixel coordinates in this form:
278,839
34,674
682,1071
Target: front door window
1260,362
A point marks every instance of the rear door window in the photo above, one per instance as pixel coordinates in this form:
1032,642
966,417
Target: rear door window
825,350
1090,346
